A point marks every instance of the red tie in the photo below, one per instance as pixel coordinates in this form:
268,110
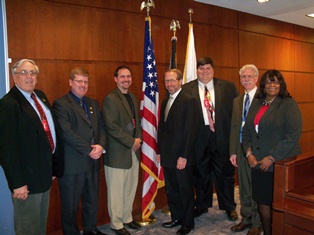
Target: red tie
209,108
44,121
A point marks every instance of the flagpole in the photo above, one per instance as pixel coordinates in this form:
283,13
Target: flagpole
152,175
173,60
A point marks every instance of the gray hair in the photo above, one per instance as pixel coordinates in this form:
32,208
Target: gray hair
249,66
20,62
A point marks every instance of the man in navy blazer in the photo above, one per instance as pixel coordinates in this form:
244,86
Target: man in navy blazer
83,138
177,133
212,146
27,156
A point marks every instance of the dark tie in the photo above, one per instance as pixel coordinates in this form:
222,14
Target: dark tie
245,111
44,121
246,106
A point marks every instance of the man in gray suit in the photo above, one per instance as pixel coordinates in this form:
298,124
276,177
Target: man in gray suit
83,137
123,127
249,213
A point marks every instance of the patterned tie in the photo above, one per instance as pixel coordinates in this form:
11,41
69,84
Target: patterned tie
246,106
245,111
44,121
209,108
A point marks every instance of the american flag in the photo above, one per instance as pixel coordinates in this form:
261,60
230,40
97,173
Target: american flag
153,174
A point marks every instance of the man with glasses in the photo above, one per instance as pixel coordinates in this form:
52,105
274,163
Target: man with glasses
83,138
29,150
215,97
177,133
249,213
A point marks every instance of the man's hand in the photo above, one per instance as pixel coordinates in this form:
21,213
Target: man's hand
158,158
21,193
181,163
96,151
233,160
137,144
251,159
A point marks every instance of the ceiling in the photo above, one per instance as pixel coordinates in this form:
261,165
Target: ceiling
292,11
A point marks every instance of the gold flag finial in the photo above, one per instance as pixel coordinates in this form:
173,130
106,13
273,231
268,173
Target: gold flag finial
190,12
173,26
148,4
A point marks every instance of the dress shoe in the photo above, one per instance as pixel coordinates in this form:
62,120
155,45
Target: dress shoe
185,230
172,224
121,231
95,232
232,215
133,225
255,231
240,227
198,212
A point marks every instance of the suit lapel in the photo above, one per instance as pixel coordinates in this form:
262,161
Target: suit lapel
125,103
78,109
195,92
29,112
218,95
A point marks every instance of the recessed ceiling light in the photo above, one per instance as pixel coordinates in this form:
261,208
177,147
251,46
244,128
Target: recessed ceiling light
263,0
310,15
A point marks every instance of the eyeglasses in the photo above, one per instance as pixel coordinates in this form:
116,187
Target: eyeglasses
170,81
25,73
248,76
272,82
80,82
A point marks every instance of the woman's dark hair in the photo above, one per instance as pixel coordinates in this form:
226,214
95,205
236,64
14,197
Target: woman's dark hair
272,75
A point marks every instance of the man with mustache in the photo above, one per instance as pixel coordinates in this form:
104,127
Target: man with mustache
250,217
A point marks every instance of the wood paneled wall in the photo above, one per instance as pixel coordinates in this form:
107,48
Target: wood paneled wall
103,34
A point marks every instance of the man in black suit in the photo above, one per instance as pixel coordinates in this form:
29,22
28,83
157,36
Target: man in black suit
83,138
28,149
177,133
215,97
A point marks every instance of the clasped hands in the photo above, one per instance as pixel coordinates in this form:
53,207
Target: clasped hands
265,163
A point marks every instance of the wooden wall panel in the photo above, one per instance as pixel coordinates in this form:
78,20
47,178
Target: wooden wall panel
265,26
304,83
307,116
306,142
100,35
218,43
304,34
304,57
266,51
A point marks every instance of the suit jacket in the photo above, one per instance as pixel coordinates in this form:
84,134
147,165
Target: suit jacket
279,130
120,129
25,152
78,133
225,92
235,146
177,136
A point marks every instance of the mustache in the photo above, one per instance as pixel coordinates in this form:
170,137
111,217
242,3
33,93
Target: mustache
249,82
